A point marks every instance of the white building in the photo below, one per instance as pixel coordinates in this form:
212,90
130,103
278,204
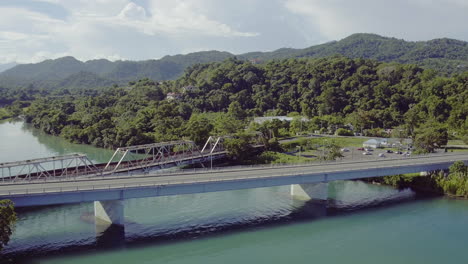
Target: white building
375,143
173,96
261,120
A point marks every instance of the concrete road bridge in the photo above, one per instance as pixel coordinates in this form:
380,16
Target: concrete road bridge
308,181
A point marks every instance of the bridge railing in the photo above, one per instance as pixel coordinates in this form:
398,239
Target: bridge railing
315,162
65,166
158,182
201,171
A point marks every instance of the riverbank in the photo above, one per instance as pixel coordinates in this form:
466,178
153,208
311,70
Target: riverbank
453,184
5,115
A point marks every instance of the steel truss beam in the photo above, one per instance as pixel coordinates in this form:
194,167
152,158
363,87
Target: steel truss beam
214,144
48,168
124,159
147,156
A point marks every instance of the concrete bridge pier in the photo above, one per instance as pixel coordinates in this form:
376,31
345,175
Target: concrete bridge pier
109,212
316,192
110,236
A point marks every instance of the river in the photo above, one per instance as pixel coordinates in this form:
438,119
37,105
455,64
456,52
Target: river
363,223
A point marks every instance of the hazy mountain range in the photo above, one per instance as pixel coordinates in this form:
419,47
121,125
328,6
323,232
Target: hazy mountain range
6,66
445,55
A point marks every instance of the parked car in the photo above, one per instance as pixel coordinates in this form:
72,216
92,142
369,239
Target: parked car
368,149
367,153
360,148
345,150
389,151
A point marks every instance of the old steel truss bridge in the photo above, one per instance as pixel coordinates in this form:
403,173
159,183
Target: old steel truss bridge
141,158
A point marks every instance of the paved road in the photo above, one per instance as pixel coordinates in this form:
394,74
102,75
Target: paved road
217,175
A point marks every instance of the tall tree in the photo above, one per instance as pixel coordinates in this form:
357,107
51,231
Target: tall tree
7,220
431,137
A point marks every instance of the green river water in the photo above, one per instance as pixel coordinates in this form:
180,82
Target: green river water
362,224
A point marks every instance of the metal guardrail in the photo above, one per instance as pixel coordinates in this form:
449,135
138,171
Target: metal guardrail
160,183
159,173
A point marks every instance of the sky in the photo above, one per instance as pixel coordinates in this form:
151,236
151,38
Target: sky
35,30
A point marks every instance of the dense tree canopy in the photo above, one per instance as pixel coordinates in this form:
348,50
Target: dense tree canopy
333,93
430,137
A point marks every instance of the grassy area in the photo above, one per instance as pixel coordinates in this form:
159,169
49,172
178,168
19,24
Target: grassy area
350,141
409,175
457,150
341,141
277,158
456,142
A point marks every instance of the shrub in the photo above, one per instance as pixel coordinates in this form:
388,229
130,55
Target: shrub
343,132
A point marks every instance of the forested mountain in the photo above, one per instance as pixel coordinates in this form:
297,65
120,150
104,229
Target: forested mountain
333,92
6,66
445,55
69,73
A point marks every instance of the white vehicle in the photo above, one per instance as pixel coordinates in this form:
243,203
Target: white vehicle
382,155
345,150
366,153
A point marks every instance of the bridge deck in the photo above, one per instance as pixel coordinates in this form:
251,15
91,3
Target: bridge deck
199,181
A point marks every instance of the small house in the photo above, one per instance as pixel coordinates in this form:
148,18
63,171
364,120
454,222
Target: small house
375,143
173,96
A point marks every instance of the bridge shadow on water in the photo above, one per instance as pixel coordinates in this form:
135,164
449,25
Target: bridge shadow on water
113,237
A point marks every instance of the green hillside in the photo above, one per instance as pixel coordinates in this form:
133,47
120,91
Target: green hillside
65,72
447,56
333,93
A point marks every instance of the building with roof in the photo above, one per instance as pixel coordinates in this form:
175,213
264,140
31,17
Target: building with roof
263,119
375,143
173,96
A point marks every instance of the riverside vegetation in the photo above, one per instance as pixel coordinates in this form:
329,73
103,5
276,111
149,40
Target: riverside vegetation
455,183
336,94
7,221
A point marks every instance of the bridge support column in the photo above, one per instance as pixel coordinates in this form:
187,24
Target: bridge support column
109,212
317,192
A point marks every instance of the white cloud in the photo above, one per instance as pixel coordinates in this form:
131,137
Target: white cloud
12,36
137,29
94,8
92,27
408,19
23,34
175,18
133,11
